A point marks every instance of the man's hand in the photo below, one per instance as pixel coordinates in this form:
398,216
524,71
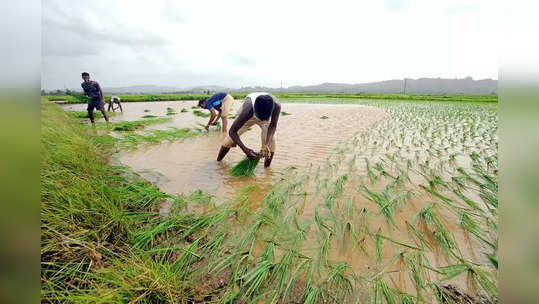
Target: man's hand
215,123
207,127
251,154
265,152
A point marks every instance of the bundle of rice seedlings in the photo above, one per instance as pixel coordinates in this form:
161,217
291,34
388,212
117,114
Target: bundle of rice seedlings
245,167
170,111
183,110
285,113
324,117
149,116
201,114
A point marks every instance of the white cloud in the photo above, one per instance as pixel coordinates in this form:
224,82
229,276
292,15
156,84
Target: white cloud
239,43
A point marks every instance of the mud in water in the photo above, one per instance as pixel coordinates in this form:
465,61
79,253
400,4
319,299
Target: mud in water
136,111
302,138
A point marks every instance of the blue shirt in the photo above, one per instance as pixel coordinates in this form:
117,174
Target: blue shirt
215,101
92,89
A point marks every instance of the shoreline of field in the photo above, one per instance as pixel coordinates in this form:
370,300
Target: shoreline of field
289,97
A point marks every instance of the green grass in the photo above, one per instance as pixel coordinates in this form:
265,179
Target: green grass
289,97
134,140
296,244
134,125
84,114
245,167
89,215
137,97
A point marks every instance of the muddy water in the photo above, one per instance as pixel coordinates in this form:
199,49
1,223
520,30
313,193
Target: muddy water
302,138
136,110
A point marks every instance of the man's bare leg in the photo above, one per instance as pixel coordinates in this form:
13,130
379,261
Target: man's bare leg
222,153
268,160
104,114
225,124
91,115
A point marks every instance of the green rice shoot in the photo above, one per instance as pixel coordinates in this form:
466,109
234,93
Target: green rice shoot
245,167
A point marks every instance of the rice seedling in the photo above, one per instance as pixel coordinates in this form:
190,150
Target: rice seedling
471,226
183,110
285,113
133,125
170,111
149,116
441,236
84,114
146,110
324,117
388,201
200,113
245,167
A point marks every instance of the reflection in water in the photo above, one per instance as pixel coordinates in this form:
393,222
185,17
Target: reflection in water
302,138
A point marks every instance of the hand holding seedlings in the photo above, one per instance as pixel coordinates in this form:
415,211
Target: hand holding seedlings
251,154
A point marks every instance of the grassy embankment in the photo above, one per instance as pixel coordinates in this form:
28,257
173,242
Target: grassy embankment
98,224
291,97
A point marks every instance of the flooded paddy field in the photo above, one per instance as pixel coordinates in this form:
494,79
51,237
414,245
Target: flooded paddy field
384,202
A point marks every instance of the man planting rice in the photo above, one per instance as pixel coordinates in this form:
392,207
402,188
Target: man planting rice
115,100
97,100
222,102
262,109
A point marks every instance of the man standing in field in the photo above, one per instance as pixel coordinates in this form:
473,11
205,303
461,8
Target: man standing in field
222,102
262,109
92,89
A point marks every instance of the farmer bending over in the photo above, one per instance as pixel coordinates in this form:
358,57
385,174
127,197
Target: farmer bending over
115,100
222,102
260,109
97,100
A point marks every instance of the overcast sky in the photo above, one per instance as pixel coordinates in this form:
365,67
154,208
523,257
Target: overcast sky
242,43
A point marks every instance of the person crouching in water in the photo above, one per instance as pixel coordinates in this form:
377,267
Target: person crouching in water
115,100
262,109
222,102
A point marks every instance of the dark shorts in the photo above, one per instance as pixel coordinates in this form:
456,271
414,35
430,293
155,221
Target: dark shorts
97,104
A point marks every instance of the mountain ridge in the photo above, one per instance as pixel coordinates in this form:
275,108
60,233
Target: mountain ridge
424,86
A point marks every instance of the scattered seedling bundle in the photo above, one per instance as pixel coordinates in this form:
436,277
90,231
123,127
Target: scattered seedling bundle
245,167
201,113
